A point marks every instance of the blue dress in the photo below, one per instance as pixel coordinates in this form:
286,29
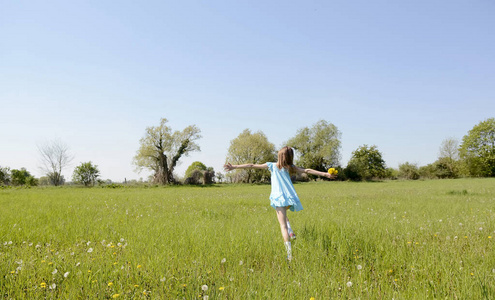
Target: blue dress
283,192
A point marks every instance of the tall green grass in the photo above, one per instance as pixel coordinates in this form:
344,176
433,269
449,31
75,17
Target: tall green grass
401,240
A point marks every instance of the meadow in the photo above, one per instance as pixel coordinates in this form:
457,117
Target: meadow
367,240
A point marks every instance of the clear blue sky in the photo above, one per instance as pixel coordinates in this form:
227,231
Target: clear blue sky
401,75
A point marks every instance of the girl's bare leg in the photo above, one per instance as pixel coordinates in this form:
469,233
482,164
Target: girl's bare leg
282,220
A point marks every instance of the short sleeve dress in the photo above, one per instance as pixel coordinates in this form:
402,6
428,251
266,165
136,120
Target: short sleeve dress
283,193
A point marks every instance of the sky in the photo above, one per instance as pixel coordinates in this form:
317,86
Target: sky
401,75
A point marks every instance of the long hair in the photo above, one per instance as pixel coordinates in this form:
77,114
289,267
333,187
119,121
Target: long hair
286,159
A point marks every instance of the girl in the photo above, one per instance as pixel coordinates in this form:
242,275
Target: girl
283,195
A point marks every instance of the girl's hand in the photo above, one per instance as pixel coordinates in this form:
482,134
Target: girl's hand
330,176
228,167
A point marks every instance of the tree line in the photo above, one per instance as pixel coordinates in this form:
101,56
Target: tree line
317,147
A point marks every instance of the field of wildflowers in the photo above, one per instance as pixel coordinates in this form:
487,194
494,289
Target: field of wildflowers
399,239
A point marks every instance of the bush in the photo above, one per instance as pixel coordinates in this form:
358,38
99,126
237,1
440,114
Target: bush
408,171
23,177
366,163
428,171
4,176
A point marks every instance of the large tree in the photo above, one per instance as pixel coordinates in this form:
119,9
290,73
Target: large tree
160,150
317,147
250,148
86,173
55,156
366,163
478,149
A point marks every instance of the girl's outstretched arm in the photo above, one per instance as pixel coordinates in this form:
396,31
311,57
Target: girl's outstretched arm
230,167
317,173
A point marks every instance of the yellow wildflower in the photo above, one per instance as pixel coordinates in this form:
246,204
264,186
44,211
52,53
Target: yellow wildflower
43,285
110,283
115,296
221,288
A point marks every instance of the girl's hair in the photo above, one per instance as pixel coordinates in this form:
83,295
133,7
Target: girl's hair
286,159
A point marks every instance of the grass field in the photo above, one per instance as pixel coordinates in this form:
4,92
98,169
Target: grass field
379,240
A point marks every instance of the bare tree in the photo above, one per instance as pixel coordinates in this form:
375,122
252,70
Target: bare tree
449,149
55,156
448,158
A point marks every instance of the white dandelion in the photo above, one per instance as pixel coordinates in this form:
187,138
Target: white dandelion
90,250
122,240
162,279
53,286
205,297
204,287
54,272
359,267
77,265
66,274
241,263
223,260
349,284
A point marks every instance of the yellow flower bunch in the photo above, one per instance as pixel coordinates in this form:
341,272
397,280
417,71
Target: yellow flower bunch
332,171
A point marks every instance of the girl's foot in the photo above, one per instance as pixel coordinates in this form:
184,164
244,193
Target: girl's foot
292,236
